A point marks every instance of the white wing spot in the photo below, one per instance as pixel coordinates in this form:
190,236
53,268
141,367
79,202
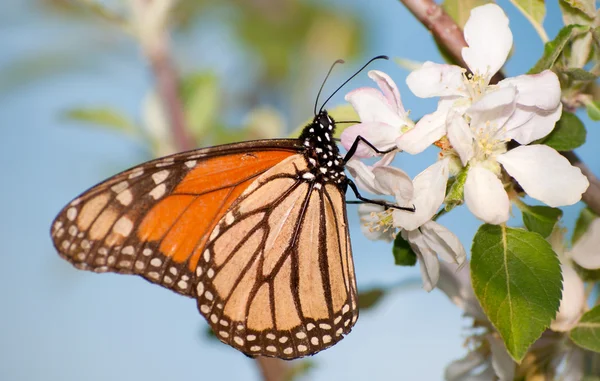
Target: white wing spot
206,255
167,279
337,320
208,295
255,348
75,202
238,340
156,262
136,173
229,218
204,309
128,250
317,186
345,309
81,256
182,284
185,278
125,197
326,339
302,348
85,244
324,326
123,226
199,271
301,335
214,318
271,348
73,230
139,265
152,275
158,191
270,336
224,323
160,176
147,252
339,332
72,213
346,323
200,288
120,187
288,351
190,163
166,162
250,337
314,341
173,270
308,176
283,339
210,273
60,232
323,170
310,326
214,233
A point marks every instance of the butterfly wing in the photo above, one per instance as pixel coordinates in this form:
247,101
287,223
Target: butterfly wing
154,220
276,277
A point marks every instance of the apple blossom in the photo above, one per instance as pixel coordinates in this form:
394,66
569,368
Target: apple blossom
586,251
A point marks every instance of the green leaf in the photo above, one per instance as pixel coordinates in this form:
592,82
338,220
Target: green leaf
586,216
455,195
370,298
571,15
460,10
593,110
568,134
298,369
554,48
403,253
586,333
201,95
104,117
516,277
540,219
578,74
534,11
586,6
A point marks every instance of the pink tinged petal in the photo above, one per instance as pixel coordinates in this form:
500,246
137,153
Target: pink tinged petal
504,366
545,174
489,39
428,261
394,181
586,251
427,131
493,109
372,106
429,192
460,136
381,135
367,218
529,123
485,196
389,89
437,80
385,159
363,176
572,302
538,90
459,370
444,243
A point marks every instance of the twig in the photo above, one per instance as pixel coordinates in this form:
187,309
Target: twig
272,369
448,34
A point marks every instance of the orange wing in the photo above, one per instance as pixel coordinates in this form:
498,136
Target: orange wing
154,220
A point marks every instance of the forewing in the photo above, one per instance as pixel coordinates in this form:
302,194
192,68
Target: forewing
276,277
154,220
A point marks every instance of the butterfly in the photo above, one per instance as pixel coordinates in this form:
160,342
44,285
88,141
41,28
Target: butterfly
256,232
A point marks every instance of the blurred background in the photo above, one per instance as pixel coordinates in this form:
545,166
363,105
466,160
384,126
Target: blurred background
78,103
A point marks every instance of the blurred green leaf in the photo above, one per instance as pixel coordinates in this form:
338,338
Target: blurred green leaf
517,279
586,216
553,49
456,193
103,117
534,11
298,369
370,298
578,74
540,219
593,110
201,95
403,253
460,10
586,333
568,134
586,6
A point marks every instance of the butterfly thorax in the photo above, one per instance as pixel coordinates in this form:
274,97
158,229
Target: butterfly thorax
325,163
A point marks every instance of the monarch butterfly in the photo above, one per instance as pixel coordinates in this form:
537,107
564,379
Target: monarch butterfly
256,232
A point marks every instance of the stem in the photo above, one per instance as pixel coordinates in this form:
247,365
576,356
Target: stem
272,369
447,33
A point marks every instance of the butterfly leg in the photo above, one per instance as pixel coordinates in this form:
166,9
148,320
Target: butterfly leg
376,202
359,139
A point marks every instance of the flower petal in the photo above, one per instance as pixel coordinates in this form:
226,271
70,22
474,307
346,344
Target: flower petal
493,109
389,89
381,135
489,39
459,370
504,366
572,302
485,196
545,174
529,123
363,176
539,90
372,106
586,251
429,192
428,261
437,80
394,181
443,242
368,218
460,136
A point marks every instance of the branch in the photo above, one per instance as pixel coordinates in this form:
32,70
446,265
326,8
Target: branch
272,369
448,34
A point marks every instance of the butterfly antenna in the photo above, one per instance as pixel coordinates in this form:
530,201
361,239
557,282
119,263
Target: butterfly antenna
340,61
382,57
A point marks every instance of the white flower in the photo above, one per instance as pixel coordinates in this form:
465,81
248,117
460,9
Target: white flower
537,97
572,302
382,115
586,251
427,238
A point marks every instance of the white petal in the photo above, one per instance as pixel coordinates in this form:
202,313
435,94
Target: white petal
381,135
394,181
460,136
503,364
428,261
586,251
372,106
443,242
363,176
489,39
493,109
429,192
539,90
367,217
389,89
572,301
485,196
545,174
433,80
457,370
529,123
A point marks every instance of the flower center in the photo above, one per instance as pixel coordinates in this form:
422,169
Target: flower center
380,221
476,85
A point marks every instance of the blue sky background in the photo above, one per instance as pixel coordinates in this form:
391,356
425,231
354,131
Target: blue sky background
57,323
